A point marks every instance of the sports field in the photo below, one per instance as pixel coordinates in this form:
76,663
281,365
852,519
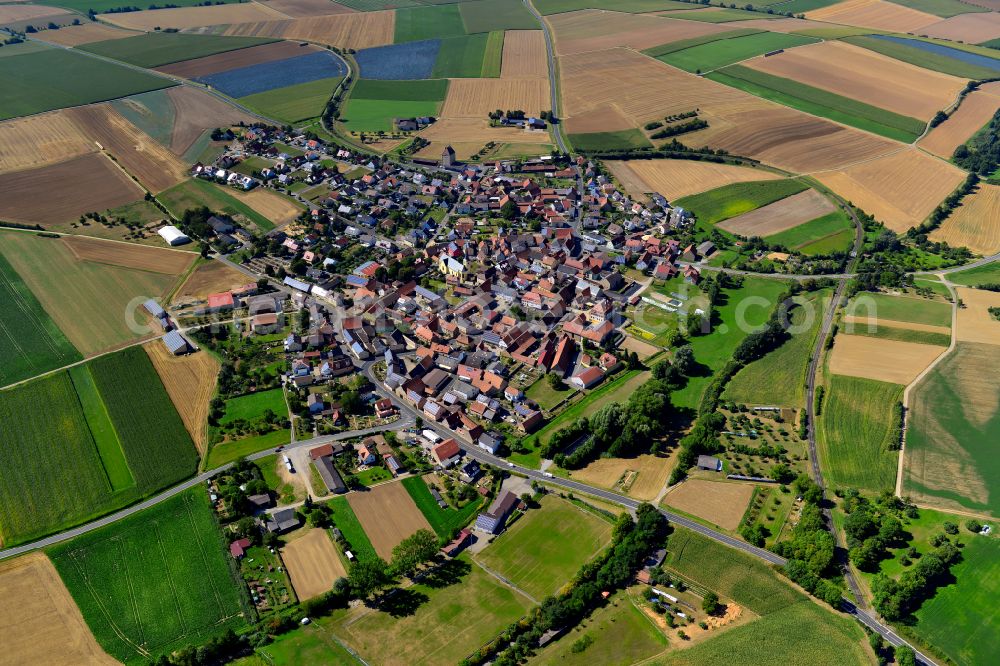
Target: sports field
162,48
545,547
735,199
155,581
854,432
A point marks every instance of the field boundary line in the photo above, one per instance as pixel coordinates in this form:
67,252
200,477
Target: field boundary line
505,581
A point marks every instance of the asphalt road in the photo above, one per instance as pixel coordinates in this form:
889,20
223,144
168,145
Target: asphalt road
553,83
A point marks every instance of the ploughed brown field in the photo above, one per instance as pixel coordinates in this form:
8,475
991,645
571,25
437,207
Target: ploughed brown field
190,382
388,515
597,30
879,14
353,31
312,563
209,278
35,141
970,28
787,213
195,112
232,59
128,255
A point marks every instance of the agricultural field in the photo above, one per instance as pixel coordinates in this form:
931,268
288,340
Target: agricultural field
421,22
900,189
374,104
85,33
719,503
717,15
975,224
388,515
269,51
975,111
833,232
162,575
196,113
313,563
901,309
738,198
40,140
350,31
470,56
977,276
86,299
547,7
720,53
190,382
487,15
193,17
882,359
662,50
444,522
447,623
309,8
854,432
974,321
58,78
193,193
399,62
876,14
581,32
161,48
895,330
954,420
31,342
524,55
40,620
955,60
208,277
971,28
642,477
478,97
675,179
618,140
781,215
262,77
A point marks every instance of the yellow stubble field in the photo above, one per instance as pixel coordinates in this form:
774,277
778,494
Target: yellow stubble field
878,14
972,114
880,359
476,98
976,223
39,140
353,31
524,55
597,30
679,178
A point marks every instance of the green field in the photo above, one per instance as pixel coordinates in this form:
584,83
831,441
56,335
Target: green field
729,201
154,49
973,277
101,428
802,6
720,53
293,104
374,104
493,58
721,15
433,90
900,334
545,547
925,59
901,308
600,141
853,433
779,378
547,397
57,78
414,23
443,620
253,405
681,44
833,232
308,646
195,192
23,48
227,452
152,112
30,342
462,57
155,581
443,521
953,429
942,8
546,7
821,103
349,525
489,15
100,6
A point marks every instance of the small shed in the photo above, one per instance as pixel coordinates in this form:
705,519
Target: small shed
709,463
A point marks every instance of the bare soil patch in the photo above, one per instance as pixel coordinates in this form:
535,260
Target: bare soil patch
643,349
785,214
975,323
866,76
524,55
41,623
679,178
976,223
62,192
876,358
221,62
313,564
596,30
305,8
35,141
388,515
353,31
190,381
972,114
900,190
75,35
476,98
878,14
209,278
197,111
971,28
718,502
642,477
129,255
193,17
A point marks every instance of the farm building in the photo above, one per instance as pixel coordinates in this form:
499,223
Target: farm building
456,546
587,378
153,308
331,477
281,521
494,520
175,343
221,302
173,235
710,463
238,548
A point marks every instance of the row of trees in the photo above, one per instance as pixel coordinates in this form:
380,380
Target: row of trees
810,552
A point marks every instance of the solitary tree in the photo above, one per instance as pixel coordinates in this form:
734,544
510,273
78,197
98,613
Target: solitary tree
710,603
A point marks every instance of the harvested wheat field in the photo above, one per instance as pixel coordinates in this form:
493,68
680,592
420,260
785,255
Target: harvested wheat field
645,89
35,141
605,118
312,563
352,31
190,383
900,190
210,277
642,477
782,215
75,35
866,76
183,18
524,55
597,30
25,12
975,224
878,358
143,157
220,62
476,98
478,130
975,323
854,323
278,209
719,503
306,8
679,178
971,28
86,183
130,255
972,114
41,623
388,515
879,14
195,112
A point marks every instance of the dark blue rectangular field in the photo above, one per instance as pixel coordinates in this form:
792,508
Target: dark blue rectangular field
399,62
939,49
244,81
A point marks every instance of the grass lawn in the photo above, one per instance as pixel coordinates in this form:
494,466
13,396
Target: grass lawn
293,103
853,433
438,621
834,231
488,15
162,48
307,646
620,140
415,23
822,103
462,57
547,397
374,115
227,452
720,53
545,547
901,308
681,44
779,378
973,277
443,521
287,493
349,525
30,343
58,78
158,579
253,405
373,475
196,192
729,201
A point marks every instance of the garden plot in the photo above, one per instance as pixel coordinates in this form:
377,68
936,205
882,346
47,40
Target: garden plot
351,31
36,141
680,178
884,360
900,189
878,14
265,76
975,224
596,30
388,515
782,215
313,564
972,115
719,503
